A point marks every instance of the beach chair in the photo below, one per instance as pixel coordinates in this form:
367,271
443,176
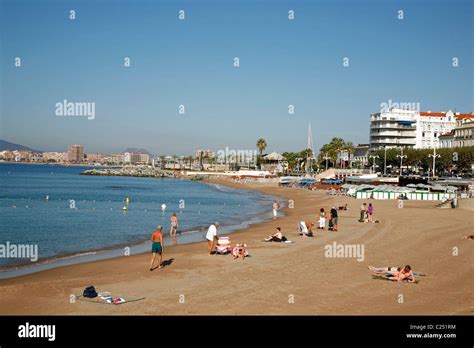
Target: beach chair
223,245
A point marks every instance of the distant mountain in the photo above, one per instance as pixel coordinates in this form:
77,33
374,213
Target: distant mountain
136,150
6,145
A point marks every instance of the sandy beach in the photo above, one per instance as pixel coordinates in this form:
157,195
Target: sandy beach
280,279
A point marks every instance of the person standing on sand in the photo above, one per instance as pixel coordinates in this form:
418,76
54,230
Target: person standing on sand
322,219
174,224
211,237
370,213
157,247
275,207
363,209
334,218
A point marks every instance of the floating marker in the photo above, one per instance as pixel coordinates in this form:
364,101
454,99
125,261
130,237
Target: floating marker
124,208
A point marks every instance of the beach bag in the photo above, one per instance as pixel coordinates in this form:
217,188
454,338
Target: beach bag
89,292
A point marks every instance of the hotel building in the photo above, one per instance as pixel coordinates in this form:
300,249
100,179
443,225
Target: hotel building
419,130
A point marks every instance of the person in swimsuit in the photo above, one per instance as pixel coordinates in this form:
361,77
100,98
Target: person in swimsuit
406,274
174,224
276,237
275,207
157,246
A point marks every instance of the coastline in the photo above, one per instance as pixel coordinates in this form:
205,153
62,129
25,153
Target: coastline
188,236
263,283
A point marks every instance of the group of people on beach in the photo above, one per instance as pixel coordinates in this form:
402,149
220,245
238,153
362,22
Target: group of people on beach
366,213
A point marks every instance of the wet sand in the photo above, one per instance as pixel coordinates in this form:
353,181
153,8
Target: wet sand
280,279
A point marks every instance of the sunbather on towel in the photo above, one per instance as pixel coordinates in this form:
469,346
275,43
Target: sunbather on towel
276,237
384,269
306,228
406,274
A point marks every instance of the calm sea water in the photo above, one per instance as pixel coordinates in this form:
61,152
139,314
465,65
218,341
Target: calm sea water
84,213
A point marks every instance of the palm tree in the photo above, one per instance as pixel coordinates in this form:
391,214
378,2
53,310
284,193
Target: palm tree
261,145
162,162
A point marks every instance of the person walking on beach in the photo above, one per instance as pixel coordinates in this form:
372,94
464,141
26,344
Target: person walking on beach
157,246
174,224
363,209
275,207
322,219
334,218
370,213
211,237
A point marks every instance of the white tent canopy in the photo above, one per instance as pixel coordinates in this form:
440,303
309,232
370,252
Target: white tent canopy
274,156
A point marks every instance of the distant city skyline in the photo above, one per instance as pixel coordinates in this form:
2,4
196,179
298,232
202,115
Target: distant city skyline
336,62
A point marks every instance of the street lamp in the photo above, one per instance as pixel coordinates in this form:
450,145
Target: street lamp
373,162
434,155
401,156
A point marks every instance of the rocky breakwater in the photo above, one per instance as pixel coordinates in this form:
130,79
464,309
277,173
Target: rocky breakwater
137,171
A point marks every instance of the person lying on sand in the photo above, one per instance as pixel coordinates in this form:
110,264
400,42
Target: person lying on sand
306,228
276,237
384,269
405,275
468,237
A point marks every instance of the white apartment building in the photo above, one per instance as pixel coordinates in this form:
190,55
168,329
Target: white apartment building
411,128
394,128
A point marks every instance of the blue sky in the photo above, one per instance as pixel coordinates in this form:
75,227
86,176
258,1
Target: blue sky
190,62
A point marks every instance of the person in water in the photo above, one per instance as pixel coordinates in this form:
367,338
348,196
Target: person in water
174,224
157,246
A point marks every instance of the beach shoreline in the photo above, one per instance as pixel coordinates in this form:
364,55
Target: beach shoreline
275,273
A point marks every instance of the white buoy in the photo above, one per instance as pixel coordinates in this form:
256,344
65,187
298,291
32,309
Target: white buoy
124,208
163,207
47,198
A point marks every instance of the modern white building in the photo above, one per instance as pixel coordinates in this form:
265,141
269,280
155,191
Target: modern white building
394,128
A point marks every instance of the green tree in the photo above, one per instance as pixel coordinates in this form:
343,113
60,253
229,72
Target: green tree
261,146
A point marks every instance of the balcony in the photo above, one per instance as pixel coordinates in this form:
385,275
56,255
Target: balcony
392,141
401,134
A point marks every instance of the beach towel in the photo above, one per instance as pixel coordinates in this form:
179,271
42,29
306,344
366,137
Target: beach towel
110,300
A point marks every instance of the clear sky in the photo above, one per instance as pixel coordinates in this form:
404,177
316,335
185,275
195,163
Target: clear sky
190,62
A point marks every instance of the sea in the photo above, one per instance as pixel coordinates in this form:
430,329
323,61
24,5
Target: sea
72,218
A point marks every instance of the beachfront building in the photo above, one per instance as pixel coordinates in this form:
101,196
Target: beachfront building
430,125
76,153
393,128
464,131
418,129
446,141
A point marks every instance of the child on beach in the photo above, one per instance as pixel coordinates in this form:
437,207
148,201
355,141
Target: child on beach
306,229
174,224
322,219
334,218
363,209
